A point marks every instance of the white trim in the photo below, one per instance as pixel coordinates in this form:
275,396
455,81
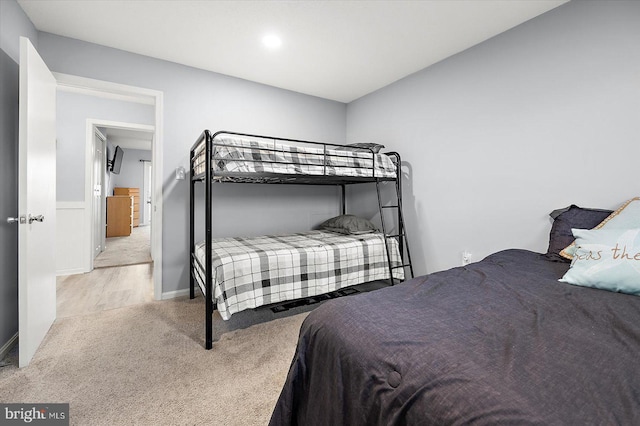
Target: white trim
70,205
6,348
100,135
175,293
71,271
157,200
104,89
109,90
147,177
103,192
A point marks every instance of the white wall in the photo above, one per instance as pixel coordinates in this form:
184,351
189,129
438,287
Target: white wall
494,138
193,101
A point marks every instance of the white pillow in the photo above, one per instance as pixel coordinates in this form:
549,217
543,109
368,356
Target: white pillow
608,259
626,217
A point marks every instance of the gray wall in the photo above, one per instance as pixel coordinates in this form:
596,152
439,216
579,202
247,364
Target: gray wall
195,100
73,110
131,173
13,24
9,200
496,137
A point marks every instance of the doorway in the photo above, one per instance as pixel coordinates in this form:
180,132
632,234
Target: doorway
126,231
120,269
154,98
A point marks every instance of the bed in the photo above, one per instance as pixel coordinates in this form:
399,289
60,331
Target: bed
258,271
501,341
236,274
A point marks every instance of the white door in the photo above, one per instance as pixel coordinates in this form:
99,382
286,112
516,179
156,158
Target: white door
36,202
98,193
146,189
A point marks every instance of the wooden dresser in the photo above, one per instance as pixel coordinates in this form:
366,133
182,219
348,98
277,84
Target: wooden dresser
119,216
135,193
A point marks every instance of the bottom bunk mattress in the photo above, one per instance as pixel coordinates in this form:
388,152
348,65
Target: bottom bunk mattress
496,342
257,271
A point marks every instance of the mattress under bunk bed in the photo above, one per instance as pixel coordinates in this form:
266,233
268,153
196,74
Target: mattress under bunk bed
235,274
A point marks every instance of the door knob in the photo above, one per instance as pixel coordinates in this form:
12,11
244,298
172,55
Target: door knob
39,218
19,219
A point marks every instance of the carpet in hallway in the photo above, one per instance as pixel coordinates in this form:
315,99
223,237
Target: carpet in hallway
130,250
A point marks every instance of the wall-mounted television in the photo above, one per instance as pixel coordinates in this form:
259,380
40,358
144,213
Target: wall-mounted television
116,163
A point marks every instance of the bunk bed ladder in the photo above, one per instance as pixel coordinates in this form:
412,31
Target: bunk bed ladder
401,235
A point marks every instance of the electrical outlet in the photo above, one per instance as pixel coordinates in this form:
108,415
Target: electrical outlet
466,258
180,173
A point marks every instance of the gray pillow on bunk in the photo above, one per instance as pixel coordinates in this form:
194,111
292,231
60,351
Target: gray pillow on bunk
348,224
362,147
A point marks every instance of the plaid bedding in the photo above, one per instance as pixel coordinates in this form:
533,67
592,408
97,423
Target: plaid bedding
251,272
252,156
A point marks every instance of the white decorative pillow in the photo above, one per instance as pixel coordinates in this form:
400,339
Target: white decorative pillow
626,217
608,259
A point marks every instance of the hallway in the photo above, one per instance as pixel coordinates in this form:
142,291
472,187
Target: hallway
131,250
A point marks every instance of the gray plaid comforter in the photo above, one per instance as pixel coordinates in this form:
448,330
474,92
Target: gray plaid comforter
251,272
233,155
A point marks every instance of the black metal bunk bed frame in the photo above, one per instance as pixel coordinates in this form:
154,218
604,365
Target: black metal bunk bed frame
278,178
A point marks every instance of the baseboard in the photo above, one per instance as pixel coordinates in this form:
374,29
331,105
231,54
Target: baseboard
73,271
4,350
173,294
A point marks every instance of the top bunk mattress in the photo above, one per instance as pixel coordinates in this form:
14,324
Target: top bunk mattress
233,155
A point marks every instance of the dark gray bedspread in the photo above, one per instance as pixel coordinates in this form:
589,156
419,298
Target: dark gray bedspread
497,342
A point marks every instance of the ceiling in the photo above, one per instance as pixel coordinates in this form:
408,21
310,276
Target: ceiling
130,139
339,50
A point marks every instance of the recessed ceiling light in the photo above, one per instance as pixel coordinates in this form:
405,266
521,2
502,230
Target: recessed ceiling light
272,41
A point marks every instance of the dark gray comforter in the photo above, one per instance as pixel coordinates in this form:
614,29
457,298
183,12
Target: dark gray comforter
497,342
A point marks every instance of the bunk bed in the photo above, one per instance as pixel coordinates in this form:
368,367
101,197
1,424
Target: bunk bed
235,274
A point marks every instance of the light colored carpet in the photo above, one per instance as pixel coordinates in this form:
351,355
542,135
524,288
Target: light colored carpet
131,250
103,288
146,365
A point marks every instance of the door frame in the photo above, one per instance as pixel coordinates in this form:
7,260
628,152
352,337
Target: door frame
109,90
91,127
146,184
98,135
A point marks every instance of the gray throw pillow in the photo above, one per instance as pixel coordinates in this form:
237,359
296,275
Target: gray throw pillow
348,224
